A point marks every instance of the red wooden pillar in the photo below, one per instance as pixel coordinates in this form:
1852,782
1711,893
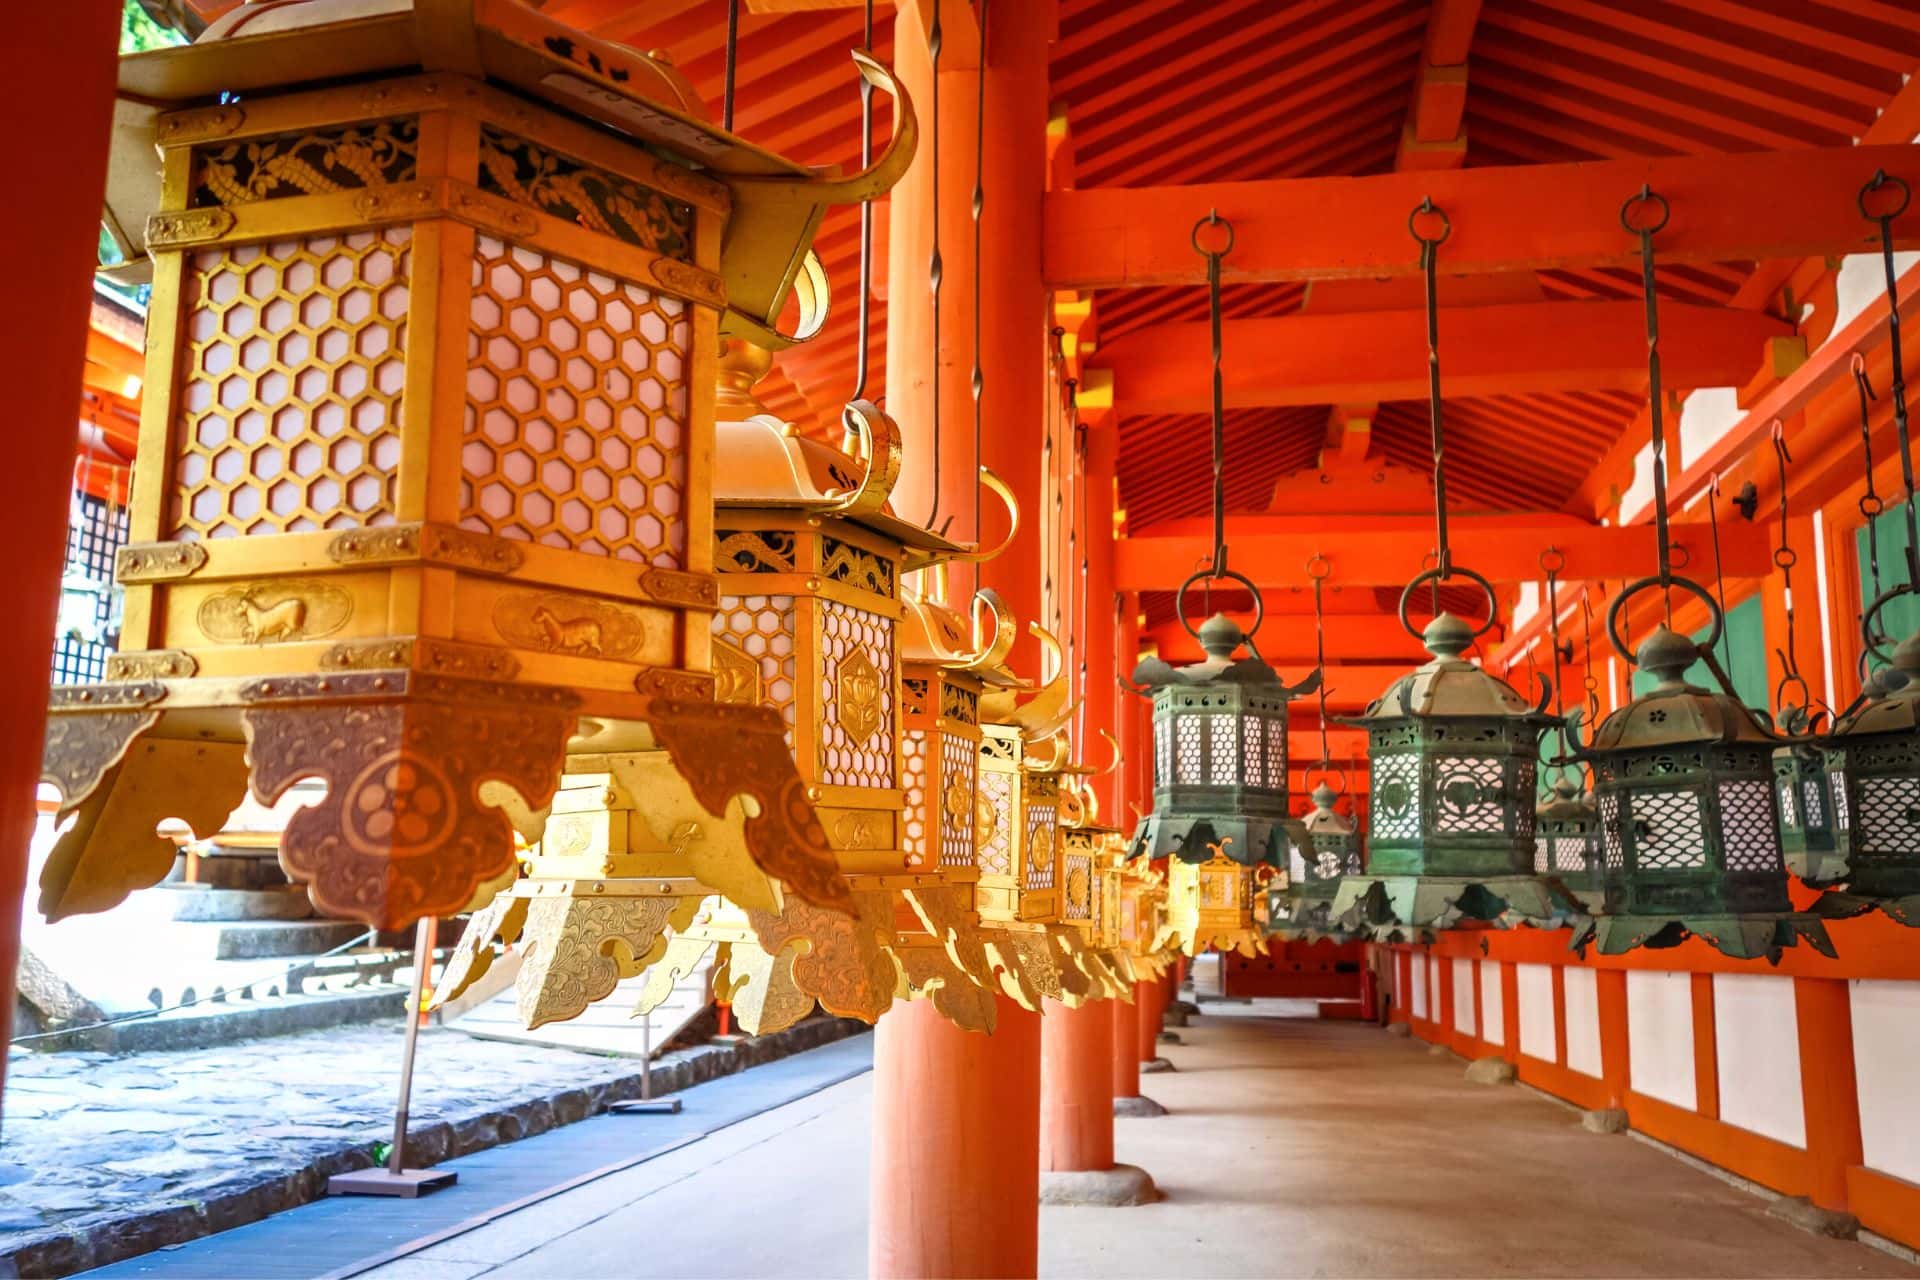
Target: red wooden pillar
956,1134
1610,993
955,1183
57,70
1146,1004
1124,1046
1828,1089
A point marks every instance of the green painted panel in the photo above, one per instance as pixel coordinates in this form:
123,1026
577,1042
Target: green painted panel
1902,616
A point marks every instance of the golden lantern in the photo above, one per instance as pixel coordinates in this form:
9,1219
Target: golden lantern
1088,849
427,456
1218,904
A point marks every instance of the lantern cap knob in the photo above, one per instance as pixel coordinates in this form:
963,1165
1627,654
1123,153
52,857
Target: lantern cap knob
1323,796
1220,636
1447,636
1666,654
1566,788
1906,656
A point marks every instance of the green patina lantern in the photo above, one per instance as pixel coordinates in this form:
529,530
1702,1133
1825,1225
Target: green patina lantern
1684,780
1873,761
1303,907
1219,755
1454,751
1812,814
1566,841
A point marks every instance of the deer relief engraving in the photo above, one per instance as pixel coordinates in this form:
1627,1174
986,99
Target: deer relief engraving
578,626
573,635
268,613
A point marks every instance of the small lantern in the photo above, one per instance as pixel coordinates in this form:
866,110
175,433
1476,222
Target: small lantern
1219,755
1215,904
1567,843
1812,826
1873,759
1684,781
427,448
1301,906
1453,752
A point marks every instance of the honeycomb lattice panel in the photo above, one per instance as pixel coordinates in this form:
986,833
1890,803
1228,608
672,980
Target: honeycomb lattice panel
1223,751
576,409
762,628
958,776
1610,831
1250,750
1395,813
1277,754
1789,811
290,406
996,799
1841,818
913,762
1812,805
1043,835
1162,752
856,641
1188,756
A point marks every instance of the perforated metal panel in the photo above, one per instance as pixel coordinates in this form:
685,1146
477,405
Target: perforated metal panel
855,639
762,628
996,795
1610,831
913,764
1841,817
1469,795
576,408
1395,812
1043,830
1789,809
1162,749
290,409
1188,754
1751,841
1223,751
958,777
1251,740
1889,817
94,536
1668,832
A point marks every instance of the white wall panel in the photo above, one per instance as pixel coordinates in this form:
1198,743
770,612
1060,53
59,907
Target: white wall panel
1660,1036
1886,1065
1583,1020
1493,1008
1535,985
1419,984
1463,996
1757,1050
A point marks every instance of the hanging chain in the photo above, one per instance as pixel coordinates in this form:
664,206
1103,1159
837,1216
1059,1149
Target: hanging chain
1870,504
864,317
1429,265
1719,582
1655,408
733,57
936,269
1591,682
979,203
1213,257
1317,569
1881,182
1784,558
1553,562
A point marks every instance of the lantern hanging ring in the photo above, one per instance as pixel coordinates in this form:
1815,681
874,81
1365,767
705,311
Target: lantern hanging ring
1884,181
1636,587
1435,576
1326,769
1645,198
1428,209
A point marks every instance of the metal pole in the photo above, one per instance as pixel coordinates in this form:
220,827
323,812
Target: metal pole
646,1056
422,959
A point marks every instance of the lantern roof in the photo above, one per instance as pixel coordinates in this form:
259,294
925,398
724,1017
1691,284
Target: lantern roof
1324,821
1566,803
1220,638
1449,686
1675,713
1892,704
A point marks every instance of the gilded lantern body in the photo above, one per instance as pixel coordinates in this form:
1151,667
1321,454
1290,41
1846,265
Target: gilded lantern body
1453,752
1683,779
426,488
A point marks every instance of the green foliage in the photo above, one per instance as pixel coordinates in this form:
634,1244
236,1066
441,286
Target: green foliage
139,32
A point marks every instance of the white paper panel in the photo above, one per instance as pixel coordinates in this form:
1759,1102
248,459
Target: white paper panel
1757,1051
1660,1036
1886,1056
1535,985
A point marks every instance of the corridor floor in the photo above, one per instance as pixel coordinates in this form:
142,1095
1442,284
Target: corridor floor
1292,1148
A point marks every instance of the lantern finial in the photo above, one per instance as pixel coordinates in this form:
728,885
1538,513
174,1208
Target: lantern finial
1220,636
1447,636
1666,654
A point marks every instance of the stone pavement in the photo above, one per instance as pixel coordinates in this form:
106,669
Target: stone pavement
104,1157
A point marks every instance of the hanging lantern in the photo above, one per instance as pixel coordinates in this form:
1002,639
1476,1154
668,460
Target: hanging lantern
1301,906
1872,755
1812,834
1088,845
1452,749
423,564
1567,843
1683,777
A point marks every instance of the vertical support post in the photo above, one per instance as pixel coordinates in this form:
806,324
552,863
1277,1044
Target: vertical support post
422,961
956,1121
956,1116
64,55
1706,1049
1610,993
1828,1089
1076,1088
1509,1013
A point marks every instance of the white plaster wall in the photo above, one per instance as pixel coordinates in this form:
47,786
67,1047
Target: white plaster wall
1463,996
1660,1036
1757,1050
1583,1020
1705,416
1535,985
1862,283
1419,984
1493,1007
1886,1067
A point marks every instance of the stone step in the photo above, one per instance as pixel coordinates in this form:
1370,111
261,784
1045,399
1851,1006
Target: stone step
196,903
254,939
213,1023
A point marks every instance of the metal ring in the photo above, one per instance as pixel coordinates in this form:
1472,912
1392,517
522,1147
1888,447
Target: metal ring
1319,568
1428,207
1213,219
1881,180
1646,195
1323,769
1785,557
1872,505
1552,561
1635,588
1686,556
1207,573
1868,636
1493,604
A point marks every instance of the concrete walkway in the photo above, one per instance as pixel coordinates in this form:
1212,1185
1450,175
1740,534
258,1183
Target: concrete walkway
1294,1148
